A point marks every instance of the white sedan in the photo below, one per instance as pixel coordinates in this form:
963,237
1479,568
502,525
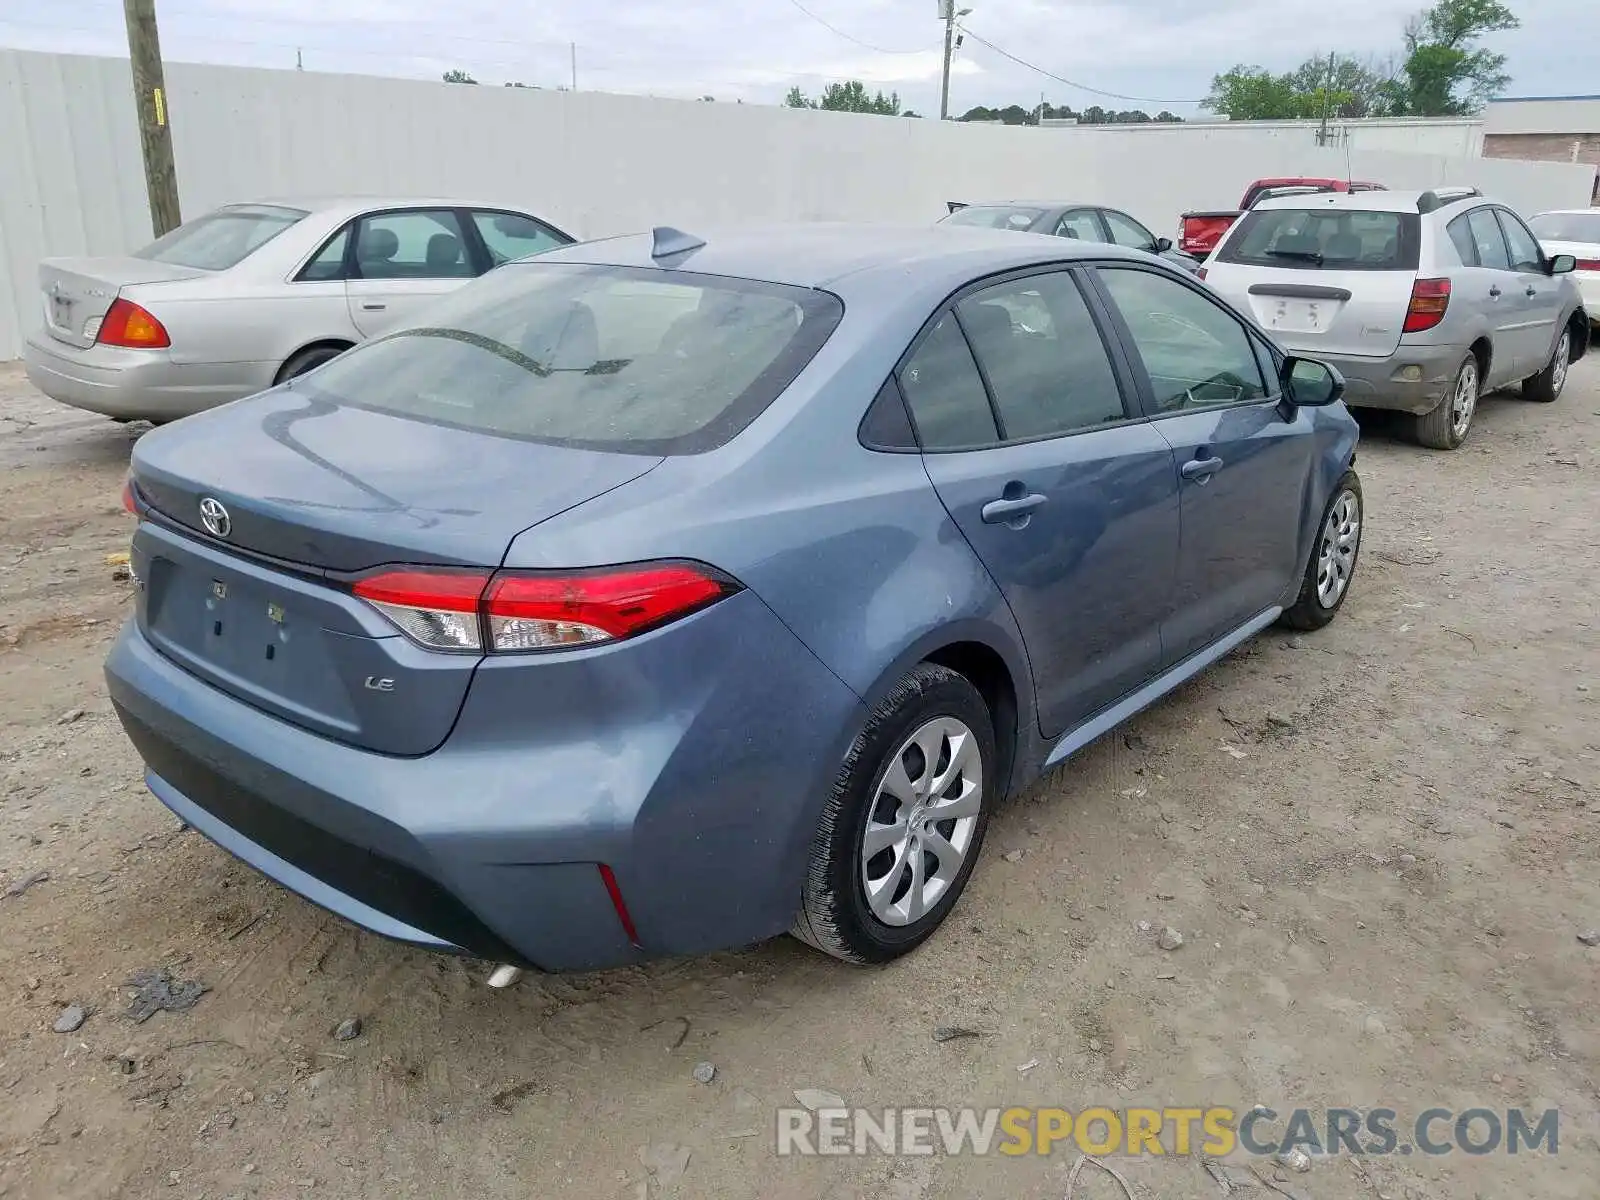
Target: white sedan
1575,231
253,294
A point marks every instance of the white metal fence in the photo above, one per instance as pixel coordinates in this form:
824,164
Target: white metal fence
597,164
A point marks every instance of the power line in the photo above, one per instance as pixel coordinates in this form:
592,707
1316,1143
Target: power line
1072,83
850,37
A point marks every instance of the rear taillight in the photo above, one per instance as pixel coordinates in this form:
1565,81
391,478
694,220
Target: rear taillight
1429,299
1588,264
517,611
127,324
128,505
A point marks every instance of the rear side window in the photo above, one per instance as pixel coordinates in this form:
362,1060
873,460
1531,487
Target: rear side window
994,216
221,239
1488,243
1047,367
945,392
1325,238
607,358
1461,235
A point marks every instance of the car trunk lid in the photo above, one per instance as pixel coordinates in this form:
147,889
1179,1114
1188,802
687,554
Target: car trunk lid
305,496
1357,313
77,292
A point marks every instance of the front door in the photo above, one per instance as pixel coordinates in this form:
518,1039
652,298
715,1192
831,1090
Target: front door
1500,291
403,261
1538,296
1243,459
1067,496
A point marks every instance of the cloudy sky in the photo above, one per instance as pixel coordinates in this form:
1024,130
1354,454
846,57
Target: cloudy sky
1162,52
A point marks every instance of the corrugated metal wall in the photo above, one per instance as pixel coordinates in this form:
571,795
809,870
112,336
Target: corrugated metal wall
596,164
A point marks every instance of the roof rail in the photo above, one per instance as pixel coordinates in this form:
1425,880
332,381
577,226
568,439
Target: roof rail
1436,199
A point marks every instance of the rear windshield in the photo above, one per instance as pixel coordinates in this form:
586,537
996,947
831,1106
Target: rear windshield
1567,227
607,358
994,216
221,239
1325,239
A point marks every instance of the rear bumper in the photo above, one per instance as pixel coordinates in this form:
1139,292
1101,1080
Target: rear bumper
135,384
1413,379
700,789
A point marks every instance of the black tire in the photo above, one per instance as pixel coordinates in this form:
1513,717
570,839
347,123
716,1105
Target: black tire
1548,384
1308,611
835,915
1439,429
307,360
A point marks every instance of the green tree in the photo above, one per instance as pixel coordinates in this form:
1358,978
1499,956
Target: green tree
850,96
1248,93
798,99
457,75
1446,72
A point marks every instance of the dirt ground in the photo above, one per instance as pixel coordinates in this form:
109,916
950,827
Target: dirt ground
1380,843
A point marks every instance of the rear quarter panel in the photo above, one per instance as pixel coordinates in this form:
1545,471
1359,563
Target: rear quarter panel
225,319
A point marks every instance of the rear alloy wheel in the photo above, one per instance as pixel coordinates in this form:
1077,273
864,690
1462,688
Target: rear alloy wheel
901,832
1332,564
1547,384
1445,428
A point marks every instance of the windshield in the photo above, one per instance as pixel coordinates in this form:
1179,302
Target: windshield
608,358
1567,227
994,216
221,239
1325,239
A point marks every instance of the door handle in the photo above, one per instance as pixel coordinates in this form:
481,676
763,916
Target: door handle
1010,508
1494,292
1201,469
1533,291
373,306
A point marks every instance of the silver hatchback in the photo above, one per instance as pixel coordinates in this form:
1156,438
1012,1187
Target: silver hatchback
1423,300
252,294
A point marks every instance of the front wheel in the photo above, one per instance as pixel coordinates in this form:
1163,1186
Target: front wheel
1547,384
1445,428
901,831
1332,564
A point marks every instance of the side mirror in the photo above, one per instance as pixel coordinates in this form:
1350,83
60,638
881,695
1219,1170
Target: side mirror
1562,264
1310,383
1163,245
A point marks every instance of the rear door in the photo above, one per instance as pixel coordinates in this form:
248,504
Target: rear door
403,259
1541,301
1067,496
1243,460
1323,280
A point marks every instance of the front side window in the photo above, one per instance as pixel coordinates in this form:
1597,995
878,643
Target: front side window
945,392
414,244
510,236
608,358
1194,351
221,239
1325,239
1487,241
1047,367
1524,247
1125,231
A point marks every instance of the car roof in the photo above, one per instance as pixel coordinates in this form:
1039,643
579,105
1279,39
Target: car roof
1383,201
1591,211
1028,204
819,255
351,204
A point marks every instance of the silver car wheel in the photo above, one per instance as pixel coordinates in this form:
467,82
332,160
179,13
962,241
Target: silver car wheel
1558,365
1341,538
921,823
1465,400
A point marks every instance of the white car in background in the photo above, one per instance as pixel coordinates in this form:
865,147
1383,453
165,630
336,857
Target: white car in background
251,295
1575,231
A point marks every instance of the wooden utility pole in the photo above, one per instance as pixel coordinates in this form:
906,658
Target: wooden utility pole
155,127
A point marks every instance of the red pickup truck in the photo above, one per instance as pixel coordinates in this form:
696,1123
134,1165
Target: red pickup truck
1201,231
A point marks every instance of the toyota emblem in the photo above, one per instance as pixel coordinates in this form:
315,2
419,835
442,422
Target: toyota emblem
214,517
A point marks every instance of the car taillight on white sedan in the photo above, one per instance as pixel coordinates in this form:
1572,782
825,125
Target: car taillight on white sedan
1429,300
131,326
1588,264
509,612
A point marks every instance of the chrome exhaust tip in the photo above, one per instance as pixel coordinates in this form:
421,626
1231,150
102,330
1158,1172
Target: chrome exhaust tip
504,975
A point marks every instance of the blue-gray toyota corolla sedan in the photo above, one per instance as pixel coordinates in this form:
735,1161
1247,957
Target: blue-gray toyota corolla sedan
667,593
